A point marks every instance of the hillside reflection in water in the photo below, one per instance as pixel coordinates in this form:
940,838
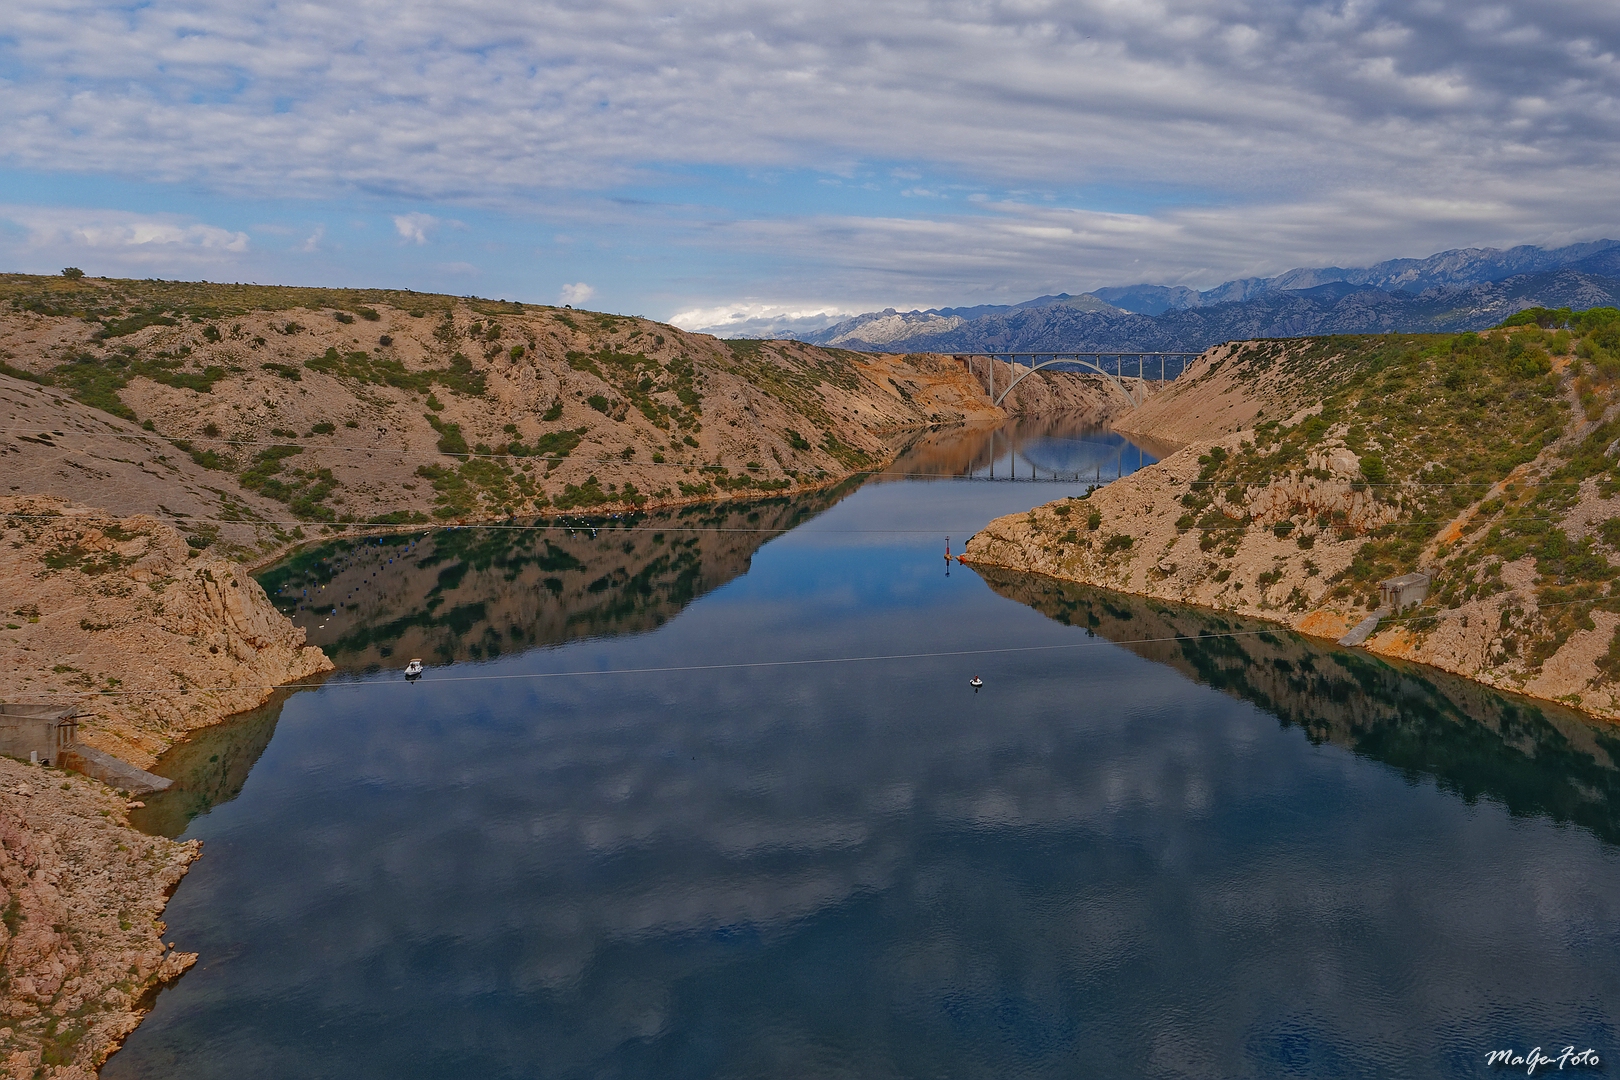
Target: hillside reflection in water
1534,757
477,592
608,857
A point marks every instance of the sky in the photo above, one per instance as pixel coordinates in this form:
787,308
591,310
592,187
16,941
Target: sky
716,160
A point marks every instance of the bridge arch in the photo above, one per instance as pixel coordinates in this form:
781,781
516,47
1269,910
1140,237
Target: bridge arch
1087,361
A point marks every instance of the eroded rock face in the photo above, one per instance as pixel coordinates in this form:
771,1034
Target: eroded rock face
1126,536
81,945
151,638
1134,536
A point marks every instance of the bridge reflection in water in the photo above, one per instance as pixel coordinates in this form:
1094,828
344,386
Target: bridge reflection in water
1060,449
1535,758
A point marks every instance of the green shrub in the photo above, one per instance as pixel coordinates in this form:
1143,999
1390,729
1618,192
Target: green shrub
450,438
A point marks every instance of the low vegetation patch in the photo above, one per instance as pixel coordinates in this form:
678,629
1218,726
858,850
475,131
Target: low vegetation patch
643,383
303,490
362,367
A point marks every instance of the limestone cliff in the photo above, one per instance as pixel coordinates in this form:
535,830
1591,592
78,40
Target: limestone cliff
151,637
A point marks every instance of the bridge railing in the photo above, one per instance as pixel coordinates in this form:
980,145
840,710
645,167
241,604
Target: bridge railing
1115,366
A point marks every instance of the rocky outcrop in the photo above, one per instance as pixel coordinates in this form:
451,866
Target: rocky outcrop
1126,536
1507,504
81,946
150,637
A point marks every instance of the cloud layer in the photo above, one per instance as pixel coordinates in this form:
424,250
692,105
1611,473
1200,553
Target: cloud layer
127,240
1196,139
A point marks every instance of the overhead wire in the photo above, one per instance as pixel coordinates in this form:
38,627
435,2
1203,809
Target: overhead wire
678,668
703,466
604,523
1090,642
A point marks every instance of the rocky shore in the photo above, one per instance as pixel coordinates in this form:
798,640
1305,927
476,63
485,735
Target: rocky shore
1501,488
150,637
81,946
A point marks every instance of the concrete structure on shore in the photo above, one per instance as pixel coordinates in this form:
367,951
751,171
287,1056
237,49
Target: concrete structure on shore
1399,593
49,735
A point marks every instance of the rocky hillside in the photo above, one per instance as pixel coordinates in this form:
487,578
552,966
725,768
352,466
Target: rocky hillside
153,637
81,948
1490,461
266,413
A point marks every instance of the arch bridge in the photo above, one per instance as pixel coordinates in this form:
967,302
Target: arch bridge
1093,362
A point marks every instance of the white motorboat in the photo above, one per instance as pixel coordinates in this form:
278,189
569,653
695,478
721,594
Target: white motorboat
413,670
976,682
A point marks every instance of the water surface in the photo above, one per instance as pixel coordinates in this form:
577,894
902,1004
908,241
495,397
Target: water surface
589,844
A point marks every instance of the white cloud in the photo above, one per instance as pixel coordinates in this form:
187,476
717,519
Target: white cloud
577,293
1302,131
484,99
755,319
414,227
122,239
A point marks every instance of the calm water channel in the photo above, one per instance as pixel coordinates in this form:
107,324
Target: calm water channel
1158,843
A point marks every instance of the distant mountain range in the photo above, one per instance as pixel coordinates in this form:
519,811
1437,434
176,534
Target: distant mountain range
1465,289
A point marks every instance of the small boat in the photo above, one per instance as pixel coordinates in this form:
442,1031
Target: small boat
976,682
413,670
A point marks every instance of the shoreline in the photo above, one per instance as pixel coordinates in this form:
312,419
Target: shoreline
1317,639
360,530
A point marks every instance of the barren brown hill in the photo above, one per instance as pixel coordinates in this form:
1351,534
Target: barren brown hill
1229,388
1490,463
270,413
